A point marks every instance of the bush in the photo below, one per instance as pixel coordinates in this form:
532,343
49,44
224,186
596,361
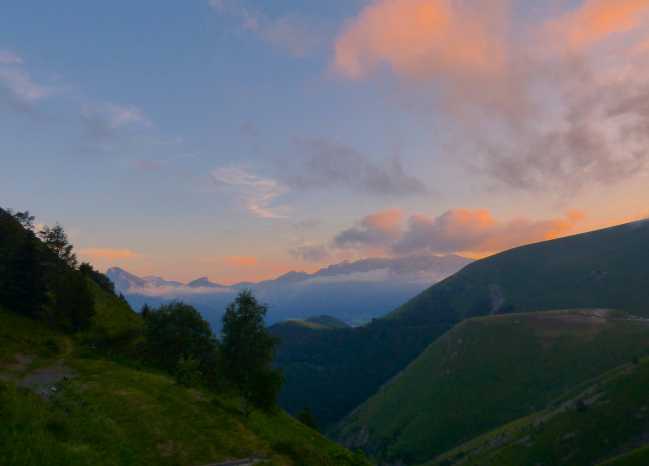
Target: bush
187,373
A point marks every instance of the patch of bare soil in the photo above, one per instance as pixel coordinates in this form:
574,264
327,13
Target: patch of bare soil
12,371
48,374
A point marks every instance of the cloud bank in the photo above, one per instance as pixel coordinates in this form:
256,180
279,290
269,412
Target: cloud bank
552,107
455,231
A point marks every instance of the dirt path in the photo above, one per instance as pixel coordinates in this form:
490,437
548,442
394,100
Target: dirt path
244,462
39,380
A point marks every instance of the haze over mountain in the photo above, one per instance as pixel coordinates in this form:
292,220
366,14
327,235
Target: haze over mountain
354,292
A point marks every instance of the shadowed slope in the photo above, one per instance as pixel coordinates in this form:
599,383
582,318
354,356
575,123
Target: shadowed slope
485,372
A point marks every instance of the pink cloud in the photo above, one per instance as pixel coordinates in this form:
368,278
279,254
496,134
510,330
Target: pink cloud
245,261
473,232
109,253
386,221
144,164
553,107
597,19
423,38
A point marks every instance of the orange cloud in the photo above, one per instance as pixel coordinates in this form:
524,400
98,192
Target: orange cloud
235,260
387,221
109,253
477,232
245,261
600,18
471,232
422,38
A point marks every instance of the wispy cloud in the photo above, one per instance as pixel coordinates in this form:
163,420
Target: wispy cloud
18,91
311,223
310,252
21,83
109,253
455,231
292,33
256,193
144,164
245,261
8,57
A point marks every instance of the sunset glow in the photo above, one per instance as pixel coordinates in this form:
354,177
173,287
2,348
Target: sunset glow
239,140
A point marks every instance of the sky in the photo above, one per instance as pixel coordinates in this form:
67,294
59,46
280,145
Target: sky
241,139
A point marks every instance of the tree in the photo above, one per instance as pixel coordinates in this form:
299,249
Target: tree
26,220
25,288
177,330
247,350
22,283
57,241
99,278
74,302
306,417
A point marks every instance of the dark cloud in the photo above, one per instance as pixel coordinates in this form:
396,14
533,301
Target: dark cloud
311,223
249,130
322,164
603,139
311,253
363,236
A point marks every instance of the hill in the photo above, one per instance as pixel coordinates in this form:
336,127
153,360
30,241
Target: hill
485,372
328,321
604,268
603,421
333,372
62,407
82,394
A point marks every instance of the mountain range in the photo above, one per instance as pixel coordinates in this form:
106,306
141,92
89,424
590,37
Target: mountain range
354,292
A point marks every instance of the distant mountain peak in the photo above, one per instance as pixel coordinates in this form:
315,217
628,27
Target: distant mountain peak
292,276
204,282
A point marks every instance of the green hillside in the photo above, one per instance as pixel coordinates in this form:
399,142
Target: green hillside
77,384
101,412
486,372
328,321
602,422
604,269
333,372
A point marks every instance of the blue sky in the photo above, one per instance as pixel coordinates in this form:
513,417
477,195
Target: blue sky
241,139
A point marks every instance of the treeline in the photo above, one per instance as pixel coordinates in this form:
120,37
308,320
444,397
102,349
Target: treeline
40,276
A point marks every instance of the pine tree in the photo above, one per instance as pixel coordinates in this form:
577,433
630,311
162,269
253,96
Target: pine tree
25,288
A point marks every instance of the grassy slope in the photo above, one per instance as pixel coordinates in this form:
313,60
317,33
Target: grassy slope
113,315
485,372
328,321
334,372
112,414
615,422
603,268
20,334
299,324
